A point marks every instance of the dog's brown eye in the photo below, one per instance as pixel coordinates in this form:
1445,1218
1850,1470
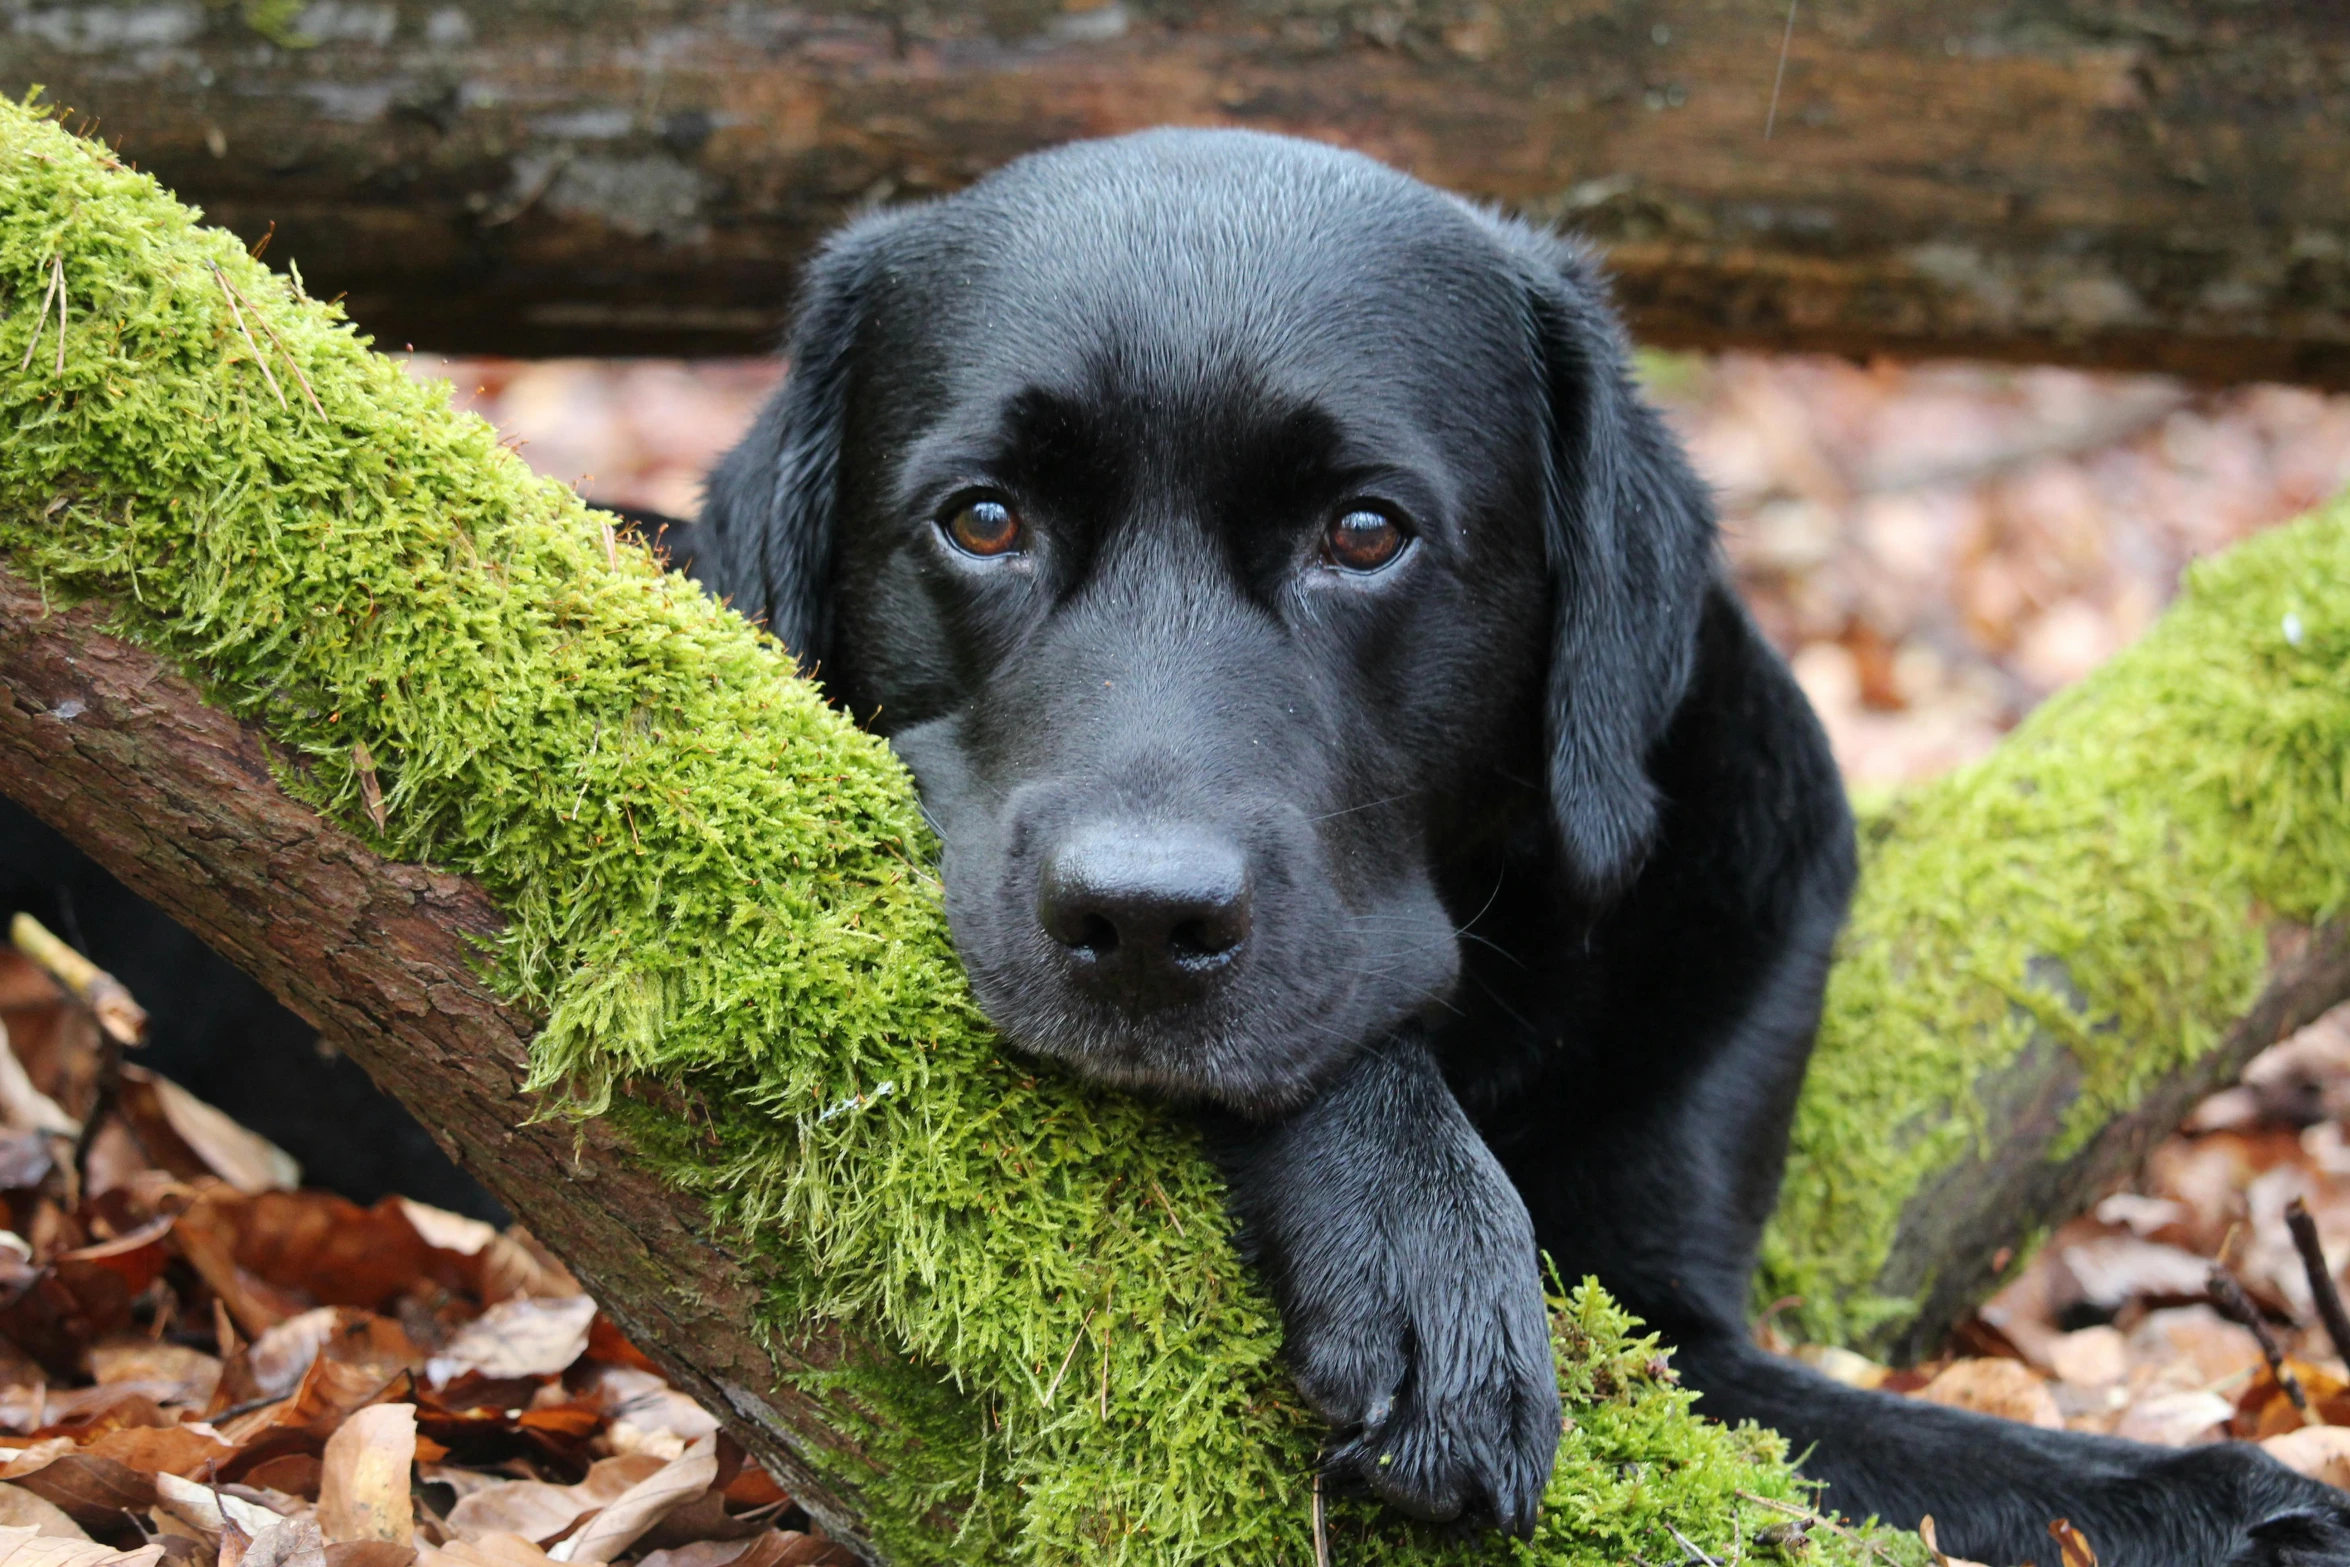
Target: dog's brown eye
984,528
1363,540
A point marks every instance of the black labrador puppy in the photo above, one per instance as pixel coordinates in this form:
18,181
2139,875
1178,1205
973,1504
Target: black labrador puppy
1317,662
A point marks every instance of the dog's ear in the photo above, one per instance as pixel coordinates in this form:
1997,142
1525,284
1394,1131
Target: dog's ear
1630,535
770,514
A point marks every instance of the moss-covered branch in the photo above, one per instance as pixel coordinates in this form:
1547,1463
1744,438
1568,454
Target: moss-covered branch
712,884
2053,953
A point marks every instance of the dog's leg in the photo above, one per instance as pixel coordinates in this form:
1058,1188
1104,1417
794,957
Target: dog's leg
1992,1486
1405,1268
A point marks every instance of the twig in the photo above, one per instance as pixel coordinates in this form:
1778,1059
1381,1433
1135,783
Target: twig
292,363
2237,1307
1690,1546
2321,1277
1160,1192
41,317
124,1020
259,358
1107,1322
57,271
1771,120
1321,1526
1823,1520
1067,1360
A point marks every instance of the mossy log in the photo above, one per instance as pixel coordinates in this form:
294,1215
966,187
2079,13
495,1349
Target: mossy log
712,1042
2053,953
2159,186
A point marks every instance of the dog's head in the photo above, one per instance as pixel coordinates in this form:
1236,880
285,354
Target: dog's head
1231,533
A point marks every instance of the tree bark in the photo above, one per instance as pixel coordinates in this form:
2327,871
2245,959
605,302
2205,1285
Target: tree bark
113,747
2149,184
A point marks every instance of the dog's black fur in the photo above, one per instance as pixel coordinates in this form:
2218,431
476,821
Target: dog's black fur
1480,902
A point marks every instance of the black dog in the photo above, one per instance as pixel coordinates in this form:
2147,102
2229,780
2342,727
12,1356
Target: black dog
1317,663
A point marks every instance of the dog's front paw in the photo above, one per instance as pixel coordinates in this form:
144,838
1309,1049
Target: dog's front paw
1442,1389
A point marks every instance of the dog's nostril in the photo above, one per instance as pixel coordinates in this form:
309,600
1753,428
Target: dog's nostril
1097,936
1204,940
1143,903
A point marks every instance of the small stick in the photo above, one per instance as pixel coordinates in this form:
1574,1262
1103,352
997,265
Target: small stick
1055,1385
1321,1526
124,1020
292,363
2237,1307
260,359
1160,1192
1690,1546
2321,1277
57,270
40,322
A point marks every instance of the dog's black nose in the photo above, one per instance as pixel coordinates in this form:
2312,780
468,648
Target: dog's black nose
1139,907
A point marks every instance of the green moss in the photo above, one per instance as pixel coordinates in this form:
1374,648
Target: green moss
2143,829
712,878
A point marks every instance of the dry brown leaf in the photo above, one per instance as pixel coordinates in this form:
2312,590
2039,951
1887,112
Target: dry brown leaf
24,1106
2073,1544
493,1550
369,1553
2175,1419
446,1231
363,1485
2320,1452
290,1474
209,1509
287,1542
178,1450
791,1548
27,1459
525,1337
21,1509
2006,1388
98,1493
536,1510
532,1509
643,1505
245,1159
136,1358
516,1264
28,1547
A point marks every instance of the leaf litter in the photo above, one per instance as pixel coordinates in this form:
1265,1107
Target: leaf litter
203,1364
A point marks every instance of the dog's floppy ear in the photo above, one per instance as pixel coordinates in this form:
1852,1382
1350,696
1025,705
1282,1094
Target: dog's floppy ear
1630,534
769,517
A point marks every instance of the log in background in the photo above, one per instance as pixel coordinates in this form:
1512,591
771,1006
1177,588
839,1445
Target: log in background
2157,184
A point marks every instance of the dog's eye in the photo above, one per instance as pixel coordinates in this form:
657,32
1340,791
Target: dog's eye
984,528
1363,540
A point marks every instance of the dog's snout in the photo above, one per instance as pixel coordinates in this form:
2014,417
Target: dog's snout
1140,907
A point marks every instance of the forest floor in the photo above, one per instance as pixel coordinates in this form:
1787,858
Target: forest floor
203,1361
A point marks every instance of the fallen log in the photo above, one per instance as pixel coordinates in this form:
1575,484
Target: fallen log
2098,182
